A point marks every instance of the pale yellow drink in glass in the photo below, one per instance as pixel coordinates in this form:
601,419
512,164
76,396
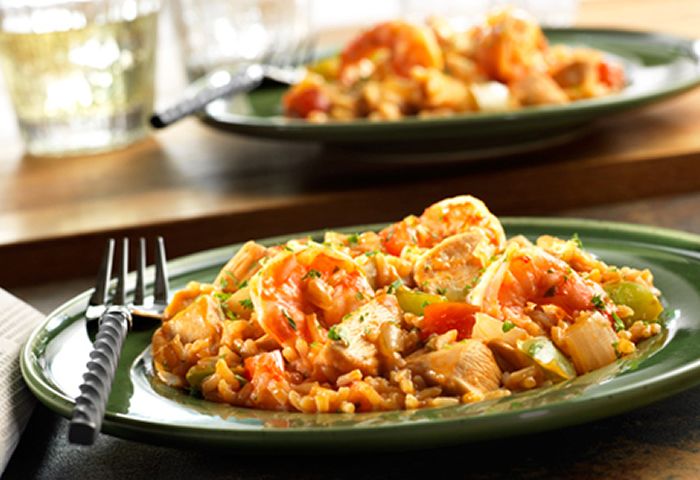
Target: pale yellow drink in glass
80,90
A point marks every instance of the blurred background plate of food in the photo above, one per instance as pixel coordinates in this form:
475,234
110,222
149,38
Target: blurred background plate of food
499,85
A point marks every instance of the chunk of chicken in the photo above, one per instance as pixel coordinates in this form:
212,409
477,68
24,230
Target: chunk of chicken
467,367
454,263
538,89
353,344
243,265
192,334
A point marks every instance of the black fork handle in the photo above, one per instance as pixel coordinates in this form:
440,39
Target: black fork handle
90,405
239,82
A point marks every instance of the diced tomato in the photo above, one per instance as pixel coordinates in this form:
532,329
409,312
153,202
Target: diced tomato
611,74
443,317
401,234
271,363
304,99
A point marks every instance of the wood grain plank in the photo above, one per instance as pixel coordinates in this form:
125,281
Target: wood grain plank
202,187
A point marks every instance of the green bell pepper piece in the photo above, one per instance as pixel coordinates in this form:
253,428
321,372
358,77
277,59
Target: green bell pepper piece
638,297
414,301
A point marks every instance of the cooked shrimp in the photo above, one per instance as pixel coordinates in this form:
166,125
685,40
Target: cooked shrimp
510,45
408,46
454,263
440,220
457,214
298,294
527,275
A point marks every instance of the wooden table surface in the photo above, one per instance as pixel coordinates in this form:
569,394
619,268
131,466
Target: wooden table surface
202,188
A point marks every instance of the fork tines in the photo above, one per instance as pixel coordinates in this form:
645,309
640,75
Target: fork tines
160,286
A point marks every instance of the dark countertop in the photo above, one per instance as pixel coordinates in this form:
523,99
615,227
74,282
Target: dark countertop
658,441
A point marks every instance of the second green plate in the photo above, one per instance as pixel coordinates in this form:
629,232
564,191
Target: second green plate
657,66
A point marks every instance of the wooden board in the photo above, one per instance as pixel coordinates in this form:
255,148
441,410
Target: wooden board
203,188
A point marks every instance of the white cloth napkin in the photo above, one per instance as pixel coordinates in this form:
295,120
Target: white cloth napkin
17,320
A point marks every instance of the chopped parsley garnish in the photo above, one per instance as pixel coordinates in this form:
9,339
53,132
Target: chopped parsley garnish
353,239
312,274
287,248
475,280
362,318
575,238
394,286
534,348
240,378
231,280
508,326
290,320
227,311
243,284
615,345
371,253
334,334
246,303
598,302
359,296
441,291
619,324
424,304
222,296
550,270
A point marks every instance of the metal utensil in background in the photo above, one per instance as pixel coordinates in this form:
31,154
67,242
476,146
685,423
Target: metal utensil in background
283,65
114,323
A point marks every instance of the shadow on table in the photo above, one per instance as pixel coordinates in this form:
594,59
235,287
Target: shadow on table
661,440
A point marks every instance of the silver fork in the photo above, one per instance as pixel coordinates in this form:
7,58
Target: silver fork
114,322
279,64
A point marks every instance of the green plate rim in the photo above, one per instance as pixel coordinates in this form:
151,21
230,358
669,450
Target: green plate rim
436,431
294,129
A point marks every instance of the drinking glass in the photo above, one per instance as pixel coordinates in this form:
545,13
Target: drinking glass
225,33
79,73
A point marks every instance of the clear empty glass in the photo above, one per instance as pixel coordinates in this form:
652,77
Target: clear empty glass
217,33
80,73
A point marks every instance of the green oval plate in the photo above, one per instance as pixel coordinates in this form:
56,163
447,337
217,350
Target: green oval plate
658,66
144,409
